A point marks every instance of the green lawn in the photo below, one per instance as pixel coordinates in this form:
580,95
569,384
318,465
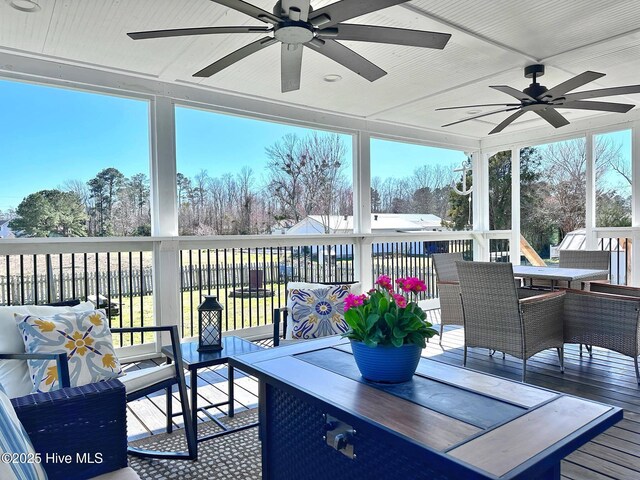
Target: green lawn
253,311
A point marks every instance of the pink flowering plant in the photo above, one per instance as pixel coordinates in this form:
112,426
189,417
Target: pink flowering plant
383,316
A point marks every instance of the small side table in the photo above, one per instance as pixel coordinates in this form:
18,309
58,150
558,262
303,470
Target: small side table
193,361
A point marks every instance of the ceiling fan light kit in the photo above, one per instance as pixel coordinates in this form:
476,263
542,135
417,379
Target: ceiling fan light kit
295,25
545,102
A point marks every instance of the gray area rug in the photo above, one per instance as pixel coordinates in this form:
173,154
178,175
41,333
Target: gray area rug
231,457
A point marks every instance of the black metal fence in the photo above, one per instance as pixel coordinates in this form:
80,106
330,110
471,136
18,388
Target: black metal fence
403,259
118,282
251,282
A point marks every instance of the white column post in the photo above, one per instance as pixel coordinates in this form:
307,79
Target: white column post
590,190
480,205
362,208
635,205
164,213
514,243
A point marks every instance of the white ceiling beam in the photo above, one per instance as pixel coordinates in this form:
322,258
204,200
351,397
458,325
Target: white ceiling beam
459,29
546,134
34,69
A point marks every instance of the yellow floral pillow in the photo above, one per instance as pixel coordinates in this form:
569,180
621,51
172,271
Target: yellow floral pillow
84,336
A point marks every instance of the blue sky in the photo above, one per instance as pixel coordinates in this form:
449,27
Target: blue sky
50,135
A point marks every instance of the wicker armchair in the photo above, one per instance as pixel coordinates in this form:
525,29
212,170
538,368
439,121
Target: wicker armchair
497,319
607,317
448,289
591,259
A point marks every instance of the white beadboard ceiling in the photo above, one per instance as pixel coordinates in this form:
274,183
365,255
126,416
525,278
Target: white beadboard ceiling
491,43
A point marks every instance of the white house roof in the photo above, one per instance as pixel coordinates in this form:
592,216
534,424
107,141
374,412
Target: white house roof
576,240
491,42
379,221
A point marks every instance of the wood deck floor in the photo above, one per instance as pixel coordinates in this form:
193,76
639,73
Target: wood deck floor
605,377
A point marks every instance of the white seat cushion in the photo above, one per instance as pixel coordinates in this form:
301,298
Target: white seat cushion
14,440
135,380
122,474
14,374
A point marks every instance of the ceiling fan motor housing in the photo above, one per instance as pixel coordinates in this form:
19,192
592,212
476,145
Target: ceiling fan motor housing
293,32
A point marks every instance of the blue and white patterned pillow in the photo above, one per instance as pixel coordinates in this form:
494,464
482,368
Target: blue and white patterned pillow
15,441
84,336
317,312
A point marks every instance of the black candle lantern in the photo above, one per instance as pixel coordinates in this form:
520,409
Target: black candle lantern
210,324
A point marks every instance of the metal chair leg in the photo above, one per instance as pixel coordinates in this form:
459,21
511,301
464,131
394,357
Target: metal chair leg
464,357
635,361
561,358
491,352
441,327
524,369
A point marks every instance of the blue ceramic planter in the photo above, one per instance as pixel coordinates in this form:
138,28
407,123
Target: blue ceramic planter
386,363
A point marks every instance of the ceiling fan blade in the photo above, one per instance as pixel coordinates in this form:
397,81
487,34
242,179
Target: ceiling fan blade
507,121
347,57
233,57
291,67
553,117
515,93
396,36
600,106
603,92
483,105
250,10
571,84
183,32
295,8
481,115
347,9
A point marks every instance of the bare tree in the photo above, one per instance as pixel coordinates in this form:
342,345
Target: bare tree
306,176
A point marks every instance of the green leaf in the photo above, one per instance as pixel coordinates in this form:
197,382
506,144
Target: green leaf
390,319
370,342
383,306
352,318
372,320
399,333
397,342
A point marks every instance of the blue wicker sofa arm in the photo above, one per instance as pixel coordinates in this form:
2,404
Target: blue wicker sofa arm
80,432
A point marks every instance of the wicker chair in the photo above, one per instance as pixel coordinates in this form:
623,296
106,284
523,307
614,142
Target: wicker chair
497,319
591,259
607,316
448,289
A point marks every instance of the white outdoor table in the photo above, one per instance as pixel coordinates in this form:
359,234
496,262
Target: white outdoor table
555,275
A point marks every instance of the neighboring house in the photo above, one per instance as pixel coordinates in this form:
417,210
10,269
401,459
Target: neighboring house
281,227
5,231
381,223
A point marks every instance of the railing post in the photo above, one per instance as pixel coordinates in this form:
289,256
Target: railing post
362,208
514,241
480,205
590,197
635,205
164,213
